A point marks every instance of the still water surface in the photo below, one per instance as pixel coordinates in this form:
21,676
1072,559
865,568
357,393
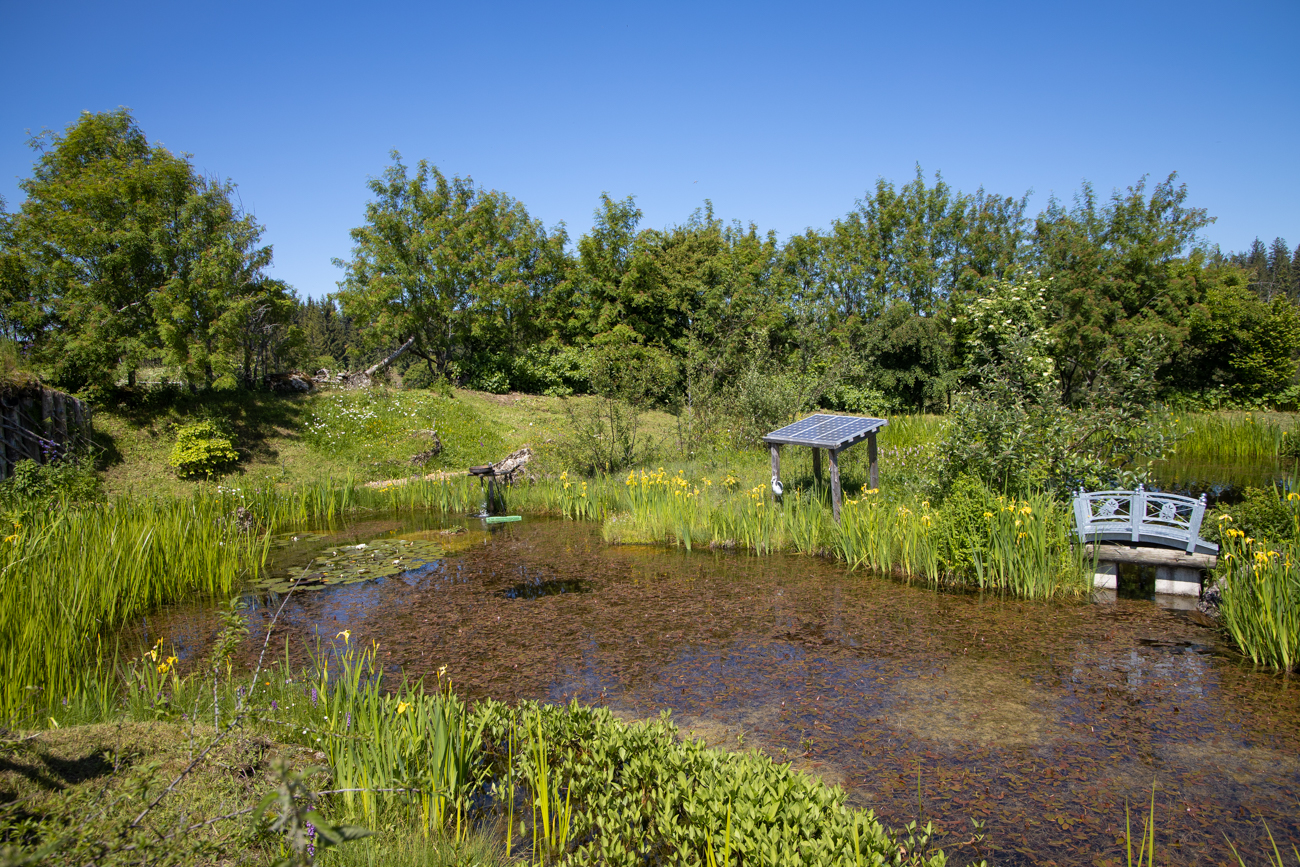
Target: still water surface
1040,720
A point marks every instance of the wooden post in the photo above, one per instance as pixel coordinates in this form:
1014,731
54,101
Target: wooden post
776,465
835,483
47,417
817,465
874,472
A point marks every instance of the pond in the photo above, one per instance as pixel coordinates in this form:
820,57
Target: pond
1223,482
1041,720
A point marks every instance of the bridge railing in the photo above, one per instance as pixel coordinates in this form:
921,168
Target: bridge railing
1142,517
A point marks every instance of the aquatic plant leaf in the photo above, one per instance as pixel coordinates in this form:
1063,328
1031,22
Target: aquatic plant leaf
366,561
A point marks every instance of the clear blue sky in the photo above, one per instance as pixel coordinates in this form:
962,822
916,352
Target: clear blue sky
781,114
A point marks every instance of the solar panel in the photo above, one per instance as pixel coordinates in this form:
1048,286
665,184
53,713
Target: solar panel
822,431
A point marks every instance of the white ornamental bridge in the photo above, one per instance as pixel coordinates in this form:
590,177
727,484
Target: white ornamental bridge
1146,528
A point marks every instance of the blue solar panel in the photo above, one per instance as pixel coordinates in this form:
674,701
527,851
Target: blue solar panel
822,431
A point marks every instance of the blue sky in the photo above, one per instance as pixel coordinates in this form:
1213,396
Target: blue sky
781,114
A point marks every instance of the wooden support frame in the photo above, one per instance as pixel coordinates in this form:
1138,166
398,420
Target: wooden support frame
874,471
835,482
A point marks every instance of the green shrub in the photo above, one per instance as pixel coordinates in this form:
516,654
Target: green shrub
1262,515
35,486
964,511
202,449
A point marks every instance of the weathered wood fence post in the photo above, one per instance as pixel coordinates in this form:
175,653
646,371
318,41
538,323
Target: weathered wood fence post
39,424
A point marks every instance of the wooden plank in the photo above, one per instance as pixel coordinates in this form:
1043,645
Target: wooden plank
817,465
1150,556
61,420
835,483
874,473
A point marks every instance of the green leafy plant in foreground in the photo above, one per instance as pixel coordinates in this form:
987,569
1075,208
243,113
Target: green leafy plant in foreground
622,794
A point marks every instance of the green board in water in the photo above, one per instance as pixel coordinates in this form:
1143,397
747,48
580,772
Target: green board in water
504,519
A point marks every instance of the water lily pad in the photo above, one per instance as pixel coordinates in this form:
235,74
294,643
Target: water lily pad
348,564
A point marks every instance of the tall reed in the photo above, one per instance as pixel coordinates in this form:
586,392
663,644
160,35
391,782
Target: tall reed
70,576
1226,437
1026,547
406,747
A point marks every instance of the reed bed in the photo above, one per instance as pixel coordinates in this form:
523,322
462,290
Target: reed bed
1259,586
71,575
1227,437
1019,546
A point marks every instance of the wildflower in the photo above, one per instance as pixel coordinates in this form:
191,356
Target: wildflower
314,696
988,515
1292,497
1223,518
402,706
346,634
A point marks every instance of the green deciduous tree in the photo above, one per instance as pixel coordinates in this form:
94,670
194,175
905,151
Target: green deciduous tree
460,271
1237,340
1117,288
125,253
207,306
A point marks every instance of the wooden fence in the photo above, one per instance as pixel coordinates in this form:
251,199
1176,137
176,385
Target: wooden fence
41,424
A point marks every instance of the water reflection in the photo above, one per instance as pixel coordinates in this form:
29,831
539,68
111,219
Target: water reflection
1042,720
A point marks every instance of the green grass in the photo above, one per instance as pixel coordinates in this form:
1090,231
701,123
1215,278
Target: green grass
290,440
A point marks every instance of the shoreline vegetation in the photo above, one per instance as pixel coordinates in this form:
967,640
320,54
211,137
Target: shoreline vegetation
135,550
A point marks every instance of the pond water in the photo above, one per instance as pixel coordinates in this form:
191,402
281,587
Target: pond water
1040,720
1222,482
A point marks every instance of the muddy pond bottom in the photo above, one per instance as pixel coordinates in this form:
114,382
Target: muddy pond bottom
1040,721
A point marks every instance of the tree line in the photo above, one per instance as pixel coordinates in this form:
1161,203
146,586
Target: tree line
122,255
